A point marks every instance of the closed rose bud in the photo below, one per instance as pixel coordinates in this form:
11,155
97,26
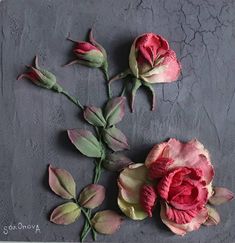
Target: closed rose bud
90,53
148,198
41,77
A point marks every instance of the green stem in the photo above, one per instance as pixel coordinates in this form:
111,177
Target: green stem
71,98
105,71
124,90
88,225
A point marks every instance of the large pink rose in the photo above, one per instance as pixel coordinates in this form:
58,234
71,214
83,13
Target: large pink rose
179,176
185,173
152,60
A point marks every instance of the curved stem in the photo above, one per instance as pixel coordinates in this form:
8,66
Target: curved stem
71,98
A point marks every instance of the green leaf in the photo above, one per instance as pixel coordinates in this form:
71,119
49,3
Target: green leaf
62,183
92,196
85,142
65,214
115,139
106,222
94,116
115,110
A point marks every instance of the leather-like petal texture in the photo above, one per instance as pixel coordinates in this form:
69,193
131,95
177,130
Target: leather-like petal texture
107,222
148,198
152,60
169,70
65,214
92,196
190,154
181,216
130,182
131,210
182,229
62,183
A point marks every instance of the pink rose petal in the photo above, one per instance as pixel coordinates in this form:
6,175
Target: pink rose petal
182,229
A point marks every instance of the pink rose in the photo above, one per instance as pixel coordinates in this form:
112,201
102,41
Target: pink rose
152,60
185,174
179,176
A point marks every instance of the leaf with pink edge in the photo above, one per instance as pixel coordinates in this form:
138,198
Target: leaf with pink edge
62,183
106,222
65,214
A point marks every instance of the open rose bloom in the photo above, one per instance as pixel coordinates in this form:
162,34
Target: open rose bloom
178,176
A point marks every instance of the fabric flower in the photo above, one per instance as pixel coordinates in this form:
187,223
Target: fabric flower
90,53
41,77
151,61
179,176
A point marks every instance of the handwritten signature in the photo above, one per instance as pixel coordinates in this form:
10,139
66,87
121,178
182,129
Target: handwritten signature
20,226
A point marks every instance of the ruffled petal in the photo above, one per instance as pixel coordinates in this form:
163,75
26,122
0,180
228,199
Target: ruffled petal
190,154
181,216
159,168
148,198
156,152
182,229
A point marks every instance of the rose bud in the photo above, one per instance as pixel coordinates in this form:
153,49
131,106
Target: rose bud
41,77
151,61
90,54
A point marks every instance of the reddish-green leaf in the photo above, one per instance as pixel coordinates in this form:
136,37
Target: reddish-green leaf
221,195
92,196
62,183
116,162
115,110
85,142
65,214
94,116
106,222
115,139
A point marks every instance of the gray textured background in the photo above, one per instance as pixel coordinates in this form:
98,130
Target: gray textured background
33,120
